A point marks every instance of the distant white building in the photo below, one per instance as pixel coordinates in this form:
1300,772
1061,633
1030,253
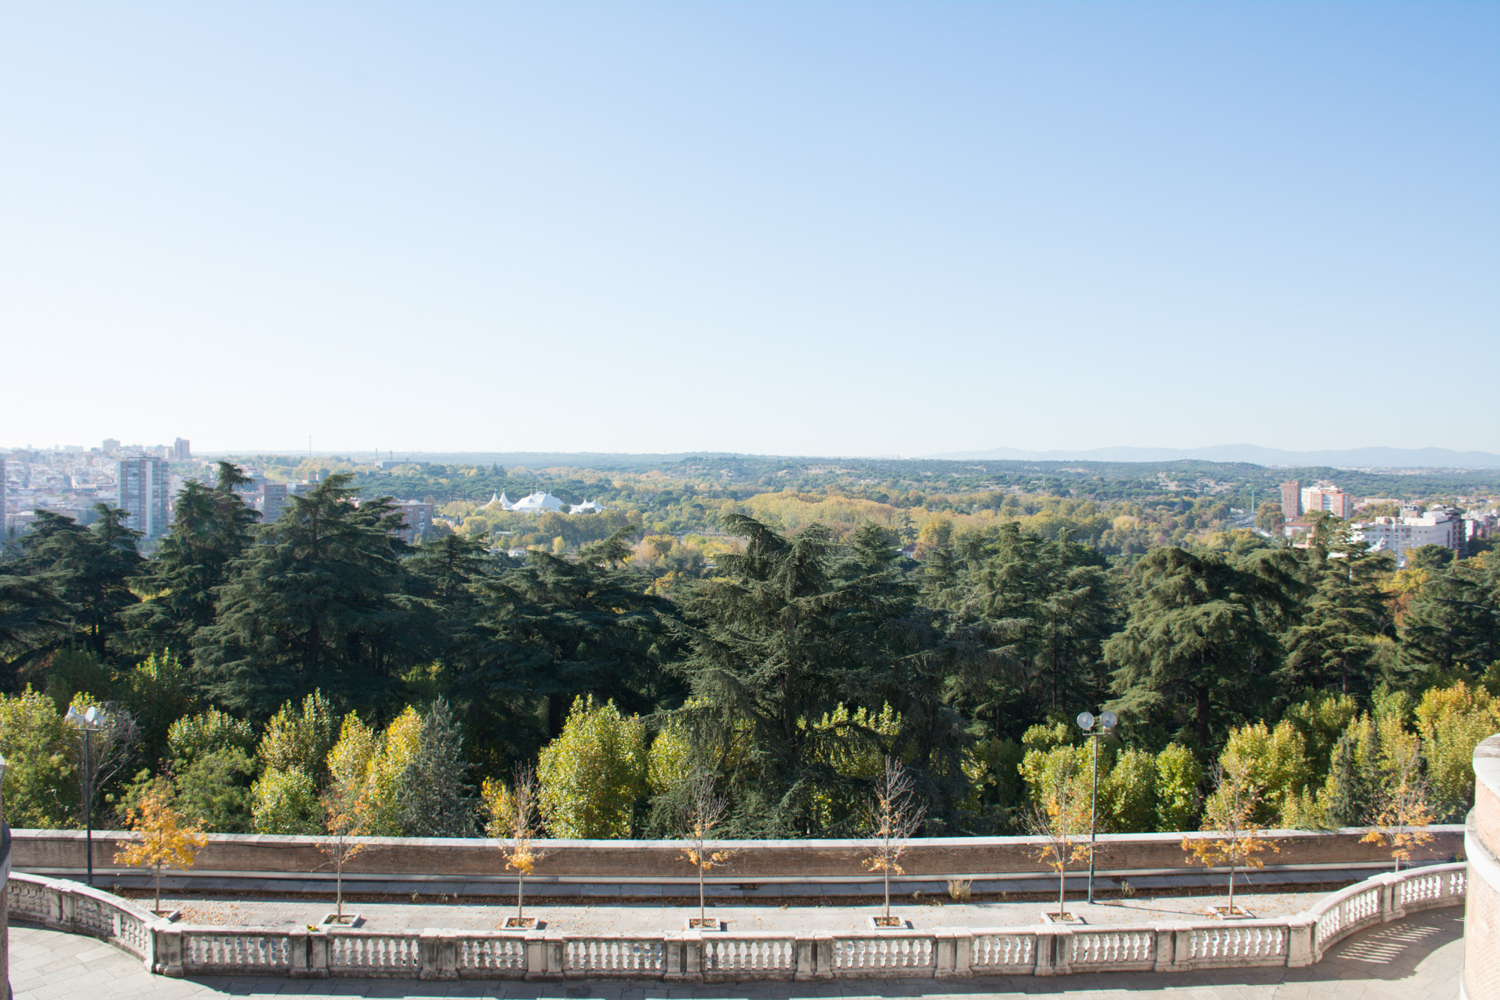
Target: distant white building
1394,535
541,501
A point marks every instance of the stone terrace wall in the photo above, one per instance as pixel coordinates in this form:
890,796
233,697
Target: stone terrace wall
54,851
1481,978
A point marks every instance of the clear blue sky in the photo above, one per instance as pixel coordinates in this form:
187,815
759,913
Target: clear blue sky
800,228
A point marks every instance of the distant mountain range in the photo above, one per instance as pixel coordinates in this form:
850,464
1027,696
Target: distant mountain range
1354,458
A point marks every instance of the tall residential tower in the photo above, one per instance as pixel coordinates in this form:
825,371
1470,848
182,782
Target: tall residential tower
143,494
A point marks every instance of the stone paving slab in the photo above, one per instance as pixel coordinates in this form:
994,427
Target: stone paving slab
1418,958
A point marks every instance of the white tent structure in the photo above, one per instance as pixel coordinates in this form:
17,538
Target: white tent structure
541,501
538,502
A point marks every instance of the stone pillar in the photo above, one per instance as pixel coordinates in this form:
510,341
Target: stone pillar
1481,975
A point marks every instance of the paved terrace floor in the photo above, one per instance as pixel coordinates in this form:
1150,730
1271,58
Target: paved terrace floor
588,909
611,918
1418,958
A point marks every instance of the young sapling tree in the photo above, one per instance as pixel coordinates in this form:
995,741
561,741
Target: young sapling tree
1405,811
164,841
894,816
1235,838
345,819
1062,818
514,823
703,812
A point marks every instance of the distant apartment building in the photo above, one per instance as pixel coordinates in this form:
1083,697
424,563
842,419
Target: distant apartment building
416,520
1477,524
2,498
272,501
182,450
1395,535
111,446
1291,500
143,490
1326,497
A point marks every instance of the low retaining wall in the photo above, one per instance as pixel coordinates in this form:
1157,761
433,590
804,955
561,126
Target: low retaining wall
1042,950
62,852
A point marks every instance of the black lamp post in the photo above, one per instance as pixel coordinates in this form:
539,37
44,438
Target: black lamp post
88,723
1107,721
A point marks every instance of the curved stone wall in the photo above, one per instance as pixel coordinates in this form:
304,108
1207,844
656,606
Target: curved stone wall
1481,979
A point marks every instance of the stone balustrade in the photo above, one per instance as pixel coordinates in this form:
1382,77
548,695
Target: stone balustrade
1041,950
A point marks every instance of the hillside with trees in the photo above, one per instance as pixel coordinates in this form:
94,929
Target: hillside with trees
785,638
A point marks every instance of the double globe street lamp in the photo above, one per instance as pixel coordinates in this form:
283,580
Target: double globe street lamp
1106,721
88,723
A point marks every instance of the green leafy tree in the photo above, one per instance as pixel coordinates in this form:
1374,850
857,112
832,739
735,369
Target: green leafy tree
33,619
1333,646
788,632
1323,720
294,756
1127,793
90,570
1201,639
1274,763
157,694
1349,791
1268,517
593,774
216,788
436,798
207,732
40,785
63,673
285,802
1452,722
299,737
1178,777
1453,623
553,629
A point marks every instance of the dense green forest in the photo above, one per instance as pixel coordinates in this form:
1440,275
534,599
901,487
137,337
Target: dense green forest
778,639
659,481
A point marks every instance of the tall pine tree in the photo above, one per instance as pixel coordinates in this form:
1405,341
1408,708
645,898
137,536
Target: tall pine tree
316,603
211,527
